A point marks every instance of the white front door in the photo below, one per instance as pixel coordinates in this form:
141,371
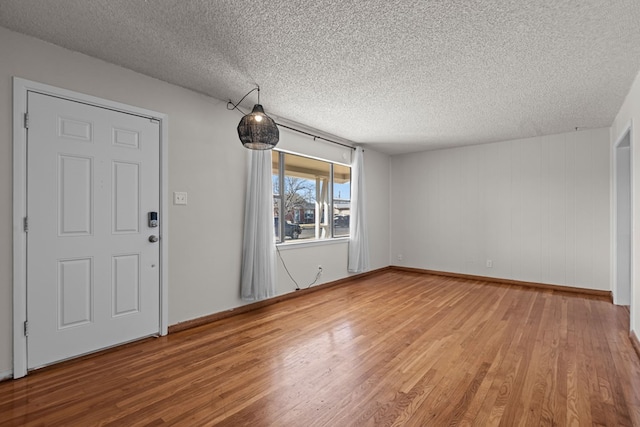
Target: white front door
93,275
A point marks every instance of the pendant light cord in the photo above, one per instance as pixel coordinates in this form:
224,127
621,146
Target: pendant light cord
235,106
291,277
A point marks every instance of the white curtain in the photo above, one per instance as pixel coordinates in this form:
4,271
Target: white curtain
358,241
258,247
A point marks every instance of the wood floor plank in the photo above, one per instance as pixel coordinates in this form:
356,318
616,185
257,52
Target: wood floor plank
392,349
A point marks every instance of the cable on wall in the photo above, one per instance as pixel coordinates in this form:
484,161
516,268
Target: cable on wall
291,277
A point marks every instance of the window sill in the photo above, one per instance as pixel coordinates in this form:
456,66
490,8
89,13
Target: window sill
303,244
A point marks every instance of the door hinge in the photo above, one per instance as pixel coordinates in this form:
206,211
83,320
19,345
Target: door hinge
26,328
26,224
26,120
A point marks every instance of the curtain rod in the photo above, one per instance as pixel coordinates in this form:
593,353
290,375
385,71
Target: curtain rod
314,136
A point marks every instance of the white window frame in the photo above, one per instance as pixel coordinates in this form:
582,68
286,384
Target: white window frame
281,224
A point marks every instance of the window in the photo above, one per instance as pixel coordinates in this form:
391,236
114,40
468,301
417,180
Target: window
311,198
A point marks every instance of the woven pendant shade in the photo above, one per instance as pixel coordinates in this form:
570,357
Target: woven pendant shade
257,131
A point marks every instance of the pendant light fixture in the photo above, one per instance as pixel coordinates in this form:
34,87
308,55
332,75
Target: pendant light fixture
256,130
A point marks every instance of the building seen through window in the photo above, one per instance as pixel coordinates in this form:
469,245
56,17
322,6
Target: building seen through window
311,198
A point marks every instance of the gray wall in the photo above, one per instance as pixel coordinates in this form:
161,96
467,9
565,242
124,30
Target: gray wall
537,208
628,114
205,159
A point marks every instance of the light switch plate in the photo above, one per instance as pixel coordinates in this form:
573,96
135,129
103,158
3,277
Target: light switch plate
179,198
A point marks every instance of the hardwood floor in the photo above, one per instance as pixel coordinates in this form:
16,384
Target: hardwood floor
397,348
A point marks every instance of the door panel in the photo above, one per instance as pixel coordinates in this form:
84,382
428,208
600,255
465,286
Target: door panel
75,192
126,284
75,283
92,274
126,198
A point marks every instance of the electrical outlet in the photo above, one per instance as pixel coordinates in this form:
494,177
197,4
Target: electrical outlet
319,267
489,263
399,257
179,198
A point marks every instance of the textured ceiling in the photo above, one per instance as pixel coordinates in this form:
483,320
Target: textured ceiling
397,75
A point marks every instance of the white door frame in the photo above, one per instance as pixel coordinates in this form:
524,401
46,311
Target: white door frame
21,87
627,131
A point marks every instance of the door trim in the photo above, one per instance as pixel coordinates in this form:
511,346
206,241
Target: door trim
21,87
626,131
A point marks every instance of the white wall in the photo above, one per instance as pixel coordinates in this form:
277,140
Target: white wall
537,208
205,159
630,113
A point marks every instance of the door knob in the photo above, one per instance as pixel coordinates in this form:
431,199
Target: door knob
153,238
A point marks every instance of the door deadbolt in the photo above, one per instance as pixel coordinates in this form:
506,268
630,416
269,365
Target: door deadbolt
153,219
